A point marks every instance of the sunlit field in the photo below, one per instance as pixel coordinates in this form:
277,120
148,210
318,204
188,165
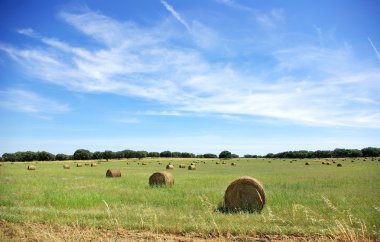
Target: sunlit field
314,200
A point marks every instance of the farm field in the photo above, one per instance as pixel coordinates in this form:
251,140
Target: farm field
319,201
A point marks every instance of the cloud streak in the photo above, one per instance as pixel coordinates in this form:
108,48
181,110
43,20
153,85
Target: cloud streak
307,84
374,48
175,14
30,102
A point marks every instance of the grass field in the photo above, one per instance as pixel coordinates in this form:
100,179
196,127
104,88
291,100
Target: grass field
339,202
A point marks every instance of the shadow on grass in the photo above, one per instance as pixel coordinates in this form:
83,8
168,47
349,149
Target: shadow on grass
223,209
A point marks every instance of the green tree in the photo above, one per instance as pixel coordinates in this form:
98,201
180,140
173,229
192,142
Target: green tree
107,154
225,155
153,154
82,154
45,156
61,157
166,154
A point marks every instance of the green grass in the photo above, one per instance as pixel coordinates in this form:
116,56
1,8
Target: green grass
306,200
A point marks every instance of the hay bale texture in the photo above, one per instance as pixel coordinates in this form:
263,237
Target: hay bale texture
66,166
31,167
113,173
191,167
182,166
93,164
79,165
169,167
161,179
339,165
244,194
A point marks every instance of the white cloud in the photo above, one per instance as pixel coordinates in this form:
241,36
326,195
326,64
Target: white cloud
305,84
175,14
374,48
30,102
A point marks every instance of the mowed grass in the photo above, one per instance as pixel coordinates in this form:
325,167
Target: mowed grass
301,200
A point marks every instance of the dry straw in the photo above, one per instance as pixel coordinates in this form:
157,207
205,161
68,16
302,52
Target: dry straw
31,167
169,167
66,166
113,173
161,179
245,193
191,167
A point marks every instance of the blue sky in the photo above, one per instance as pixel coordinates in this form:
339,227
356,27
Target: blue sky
200,76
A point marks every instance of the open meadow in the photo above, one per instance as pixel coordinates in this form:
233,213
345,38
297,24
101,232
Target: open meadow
319,201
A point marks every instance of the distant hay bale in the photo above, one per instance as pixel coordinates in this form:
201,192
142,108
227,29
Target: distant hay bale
113,173
334,162
160,163
307,163
79,165
169,166
217,162
31,167
339,165
328,163
161,179
233,164
182,166
245,193
191,167
93,164
66,166
323,163
223,162
193,163
144,163
86,164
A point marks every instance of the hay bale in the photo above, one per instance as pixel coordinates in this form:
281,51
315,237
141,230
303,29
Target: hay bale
113,173
223,162
169,167
328,163
182,166
245,193
93,164
233,164
193,164
191,167
66,166
161,179
323,163
307,163
86,164
217,162
339,165
79,165
31,167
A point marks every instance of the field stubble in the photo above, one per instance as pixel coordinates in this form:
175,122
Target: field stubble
315,200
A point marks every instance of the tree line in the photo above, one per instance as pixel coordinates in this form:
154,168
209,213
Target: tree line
83,154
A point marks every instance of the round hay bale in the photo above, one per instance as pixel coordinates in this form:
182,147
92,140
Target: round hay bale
169,167
86,164
339,165
182,166
233,164
323,163
328,163
223,162
161,179
144,163
160,163
191,167
193,164
113,173
217,162
93,164
245,193
307,163
31,167
79,165
66,166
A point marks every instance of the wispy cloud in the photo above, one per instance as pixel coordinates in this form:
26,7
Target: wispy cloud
175,14
374,48
161,113
307,83
30,102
